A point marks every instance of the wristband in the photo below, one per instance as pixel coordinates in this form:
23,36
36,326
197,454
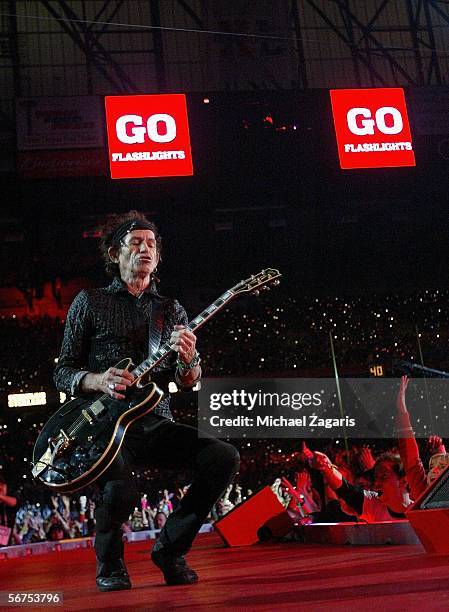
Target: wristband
178,378
189,366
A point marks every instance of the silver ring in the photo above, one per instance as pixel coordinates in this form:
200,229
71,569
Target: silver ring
112,386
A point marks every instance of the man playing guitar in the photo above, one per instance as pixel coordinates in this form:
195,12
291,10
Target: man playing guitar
128,318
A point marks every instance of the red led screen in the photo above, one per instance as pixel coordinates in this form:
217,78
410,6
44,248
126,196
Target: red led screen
148,136
372,128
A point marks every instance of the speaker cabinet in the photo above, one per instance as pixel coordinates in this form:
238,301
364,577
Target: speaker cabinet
259,518
429,515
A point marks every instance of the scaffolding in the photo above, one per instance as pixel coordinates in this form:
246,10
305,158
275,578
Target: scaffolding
101,47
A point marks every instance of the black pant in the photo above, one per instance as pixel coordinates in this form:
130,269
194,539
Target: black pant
156,441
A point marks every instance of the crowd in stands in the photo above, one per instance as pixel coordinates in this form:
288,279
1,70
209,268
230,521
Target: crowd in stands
64,517
292,335
276,334
33,345
320,481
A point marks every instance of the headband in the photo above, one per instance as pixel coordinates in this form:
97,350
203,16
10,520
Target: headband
129,226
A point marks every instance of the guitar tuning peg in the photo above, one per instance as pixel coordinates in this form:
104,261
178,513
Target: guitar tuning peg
265,288
276,283
256,292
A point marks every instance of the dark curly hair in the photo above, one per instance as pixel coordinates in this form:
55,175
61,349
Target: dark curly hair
394,459
108,230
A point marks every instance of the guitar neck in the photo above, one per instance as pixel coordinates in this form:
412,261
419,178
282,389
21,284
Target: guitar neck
197,322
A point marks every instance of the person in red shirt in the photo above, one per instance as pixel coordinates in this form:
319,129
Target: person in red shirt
417,477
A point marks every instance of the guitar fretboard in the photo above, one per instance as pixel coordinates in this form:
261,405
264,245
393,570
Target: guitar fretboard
199,320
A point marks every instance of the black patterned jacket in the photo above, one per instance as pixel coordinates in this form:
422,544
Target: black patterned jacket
106,325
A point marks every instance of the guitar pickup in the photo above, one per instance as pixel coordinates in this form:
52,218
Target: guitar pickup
96,409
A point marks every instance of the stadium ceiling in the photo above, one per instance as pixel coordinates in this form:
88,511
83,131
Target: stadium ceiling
327,43
367,39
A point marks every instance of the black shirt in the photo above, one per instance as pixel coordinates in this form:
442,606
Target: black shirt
8,513
108,324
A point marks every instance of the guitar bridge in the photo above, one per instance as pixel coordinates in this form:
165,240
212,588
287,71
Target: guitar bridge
55,447
42,464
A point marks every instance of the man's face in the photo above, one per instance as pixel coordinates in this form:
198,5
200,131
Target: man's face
138,255
159,520
57,534
3,488
392,486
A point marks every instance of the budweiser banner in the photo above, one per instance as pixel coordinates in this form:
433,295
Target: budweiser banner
53,164
59,123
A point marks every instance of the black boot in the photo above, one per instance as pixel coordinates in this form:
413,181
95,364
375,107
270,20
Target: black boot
112,576
174,567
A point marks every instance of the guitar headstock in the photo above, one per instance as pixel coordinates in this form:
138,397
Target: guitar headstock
261,281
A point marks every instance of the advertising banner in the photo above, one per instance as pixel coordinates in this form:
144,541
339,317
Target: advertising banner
59,123
54,164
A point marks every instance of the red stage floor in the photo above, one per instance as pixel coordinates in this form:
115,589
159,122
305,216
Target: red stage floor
289,576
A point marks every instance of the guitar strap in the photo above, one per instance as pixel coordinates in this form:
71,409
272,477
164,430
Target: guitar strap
156,326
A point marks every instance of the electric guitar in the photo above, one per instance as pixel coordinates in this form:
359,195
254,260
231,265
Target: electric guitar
81,440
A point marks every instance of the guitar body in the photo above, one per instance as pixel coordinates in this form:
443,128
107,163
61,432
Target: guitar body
81,440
